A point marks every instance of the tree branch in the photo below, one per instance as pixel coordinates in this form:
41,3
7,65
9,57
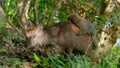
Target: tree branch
8,20
58,5
35,12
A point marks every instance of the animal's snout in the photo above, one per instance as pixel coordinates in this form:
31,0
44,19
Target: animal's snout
102,45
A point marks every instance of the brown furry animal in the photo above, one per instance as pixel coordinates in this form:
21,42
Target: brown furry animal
62,36
84,25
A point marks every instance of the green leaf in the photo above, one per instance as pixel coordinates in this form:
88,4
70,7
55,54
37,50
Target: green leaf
37,59
35,65
2,50
45,61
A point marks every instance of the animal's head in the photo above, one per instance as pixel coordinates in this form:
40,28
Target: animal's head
73,17
36,35
108,38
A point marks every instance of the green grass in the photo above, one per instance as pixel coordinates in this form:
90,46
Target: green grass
110,60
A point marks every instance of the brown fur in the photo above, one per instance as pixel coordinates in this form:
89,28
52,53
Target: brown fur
62,36
84,25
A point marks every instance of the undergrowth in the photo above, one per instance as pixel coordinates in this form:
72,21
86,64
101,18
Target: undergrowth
17,55
110,60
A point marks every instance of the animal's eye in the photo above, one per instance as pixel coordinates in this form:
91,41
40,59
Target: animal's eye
34,36
105,38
